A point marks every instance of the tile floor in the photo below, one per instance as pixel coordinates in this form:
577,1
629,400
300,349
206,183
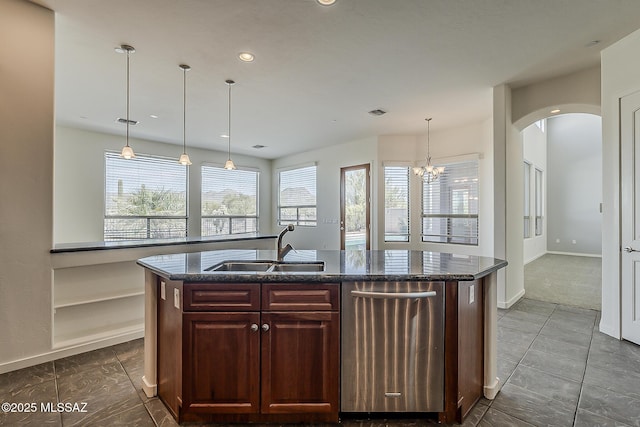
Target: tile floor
555,367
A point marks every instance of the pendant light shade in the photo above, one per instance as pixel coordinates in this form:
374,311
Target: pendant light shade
428,173
127,151
229,163
184,157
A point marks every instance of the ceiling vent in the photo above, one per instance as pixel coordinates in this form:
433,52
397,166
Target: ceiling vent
377,112
124,121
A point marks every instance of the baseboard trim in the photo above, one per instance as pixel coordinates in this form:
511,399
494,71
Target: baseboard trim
535,258
491,390
575,254
608,330
26,362
509,304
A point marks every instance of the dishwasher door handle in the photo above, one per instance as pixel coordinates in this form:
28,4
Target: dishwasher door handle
393,295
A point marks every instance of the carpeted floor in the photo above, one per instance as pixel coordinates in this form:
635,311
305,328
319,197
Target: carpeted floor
565,279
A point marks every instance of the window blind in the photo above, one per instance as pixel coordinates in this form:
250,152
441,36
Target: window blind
297,196
145,198
229,201
396,203
538,202
450,205
527,200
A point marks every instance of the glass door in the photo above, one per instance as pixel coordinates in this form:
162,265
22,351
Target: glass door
354,207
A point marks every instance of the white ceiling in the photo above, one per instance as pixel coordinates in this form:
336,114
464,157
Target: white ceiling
318,69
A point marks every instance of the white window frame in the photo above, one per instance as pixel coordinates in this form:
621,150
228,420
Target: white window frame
298,221
527,199
539,201
397,237
473,187
229,220
149,232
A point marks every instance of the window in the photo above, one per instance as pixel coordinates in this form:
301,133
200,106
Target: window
396,203
145,198
527,200
538,202
229,201
297,196
450,205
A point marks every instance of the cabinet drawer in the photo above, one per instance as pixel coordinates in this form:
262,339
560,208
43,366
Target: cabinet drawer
221,297
300,297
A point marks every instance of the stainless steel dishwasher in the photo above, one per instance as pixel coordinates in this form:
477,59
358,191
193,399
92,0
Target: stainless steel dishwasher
392,347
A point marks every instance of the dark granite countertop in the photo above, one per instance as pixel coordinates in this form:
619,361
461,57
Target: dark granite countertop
144,243
381,265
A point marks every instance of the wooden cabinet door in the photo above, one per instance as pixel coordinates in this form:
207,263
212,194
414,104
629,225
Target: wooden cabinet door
300,362
221,371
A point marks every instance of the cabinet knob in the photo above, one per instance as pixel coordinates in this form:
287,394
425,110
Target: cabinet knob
265,327
254,327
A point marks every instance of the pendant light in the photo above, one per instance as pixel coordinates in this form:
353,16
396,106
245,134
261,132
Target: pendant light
184,157
428,172
229,164
127,151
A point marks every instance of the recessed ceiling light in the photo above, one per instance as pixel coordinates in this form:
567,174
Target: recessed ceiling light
326,2
259,146
377,112
224,135
555,111
592,43
153,116
246,56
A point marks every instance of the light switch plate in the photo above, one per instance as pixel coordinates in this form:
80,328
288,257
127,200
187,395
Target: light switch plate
176,298
163,290
472,294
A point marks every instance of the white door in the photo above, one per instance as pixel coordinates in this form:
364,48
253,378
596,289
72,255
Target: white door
630,154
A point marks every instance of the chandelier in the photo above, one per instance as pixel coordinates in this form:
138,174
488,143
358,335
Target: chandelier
428,173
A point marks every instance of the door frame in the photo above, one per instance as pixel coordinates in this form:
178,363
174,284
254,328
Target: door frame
367,168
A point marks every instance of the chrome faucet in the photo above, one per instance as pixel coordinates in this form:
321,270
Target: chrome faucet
282,252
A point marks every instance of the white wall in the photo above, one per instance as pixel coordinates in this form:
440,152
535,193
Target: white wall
534,151
475,138
575,173
329,160
620,77
79,181
26,171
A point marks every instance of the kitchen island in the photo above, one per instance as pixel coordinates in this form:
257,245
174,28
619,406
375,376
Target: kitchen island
240,336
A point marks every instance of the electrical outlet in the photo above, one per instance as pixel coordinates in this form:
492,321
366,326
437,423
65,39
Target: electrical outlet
573,242
472,294
163,290
176,298
557,240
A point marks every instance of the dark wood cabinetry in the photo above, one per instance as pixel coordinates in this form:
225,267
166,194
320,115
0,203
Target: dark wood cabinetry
464,343
250,352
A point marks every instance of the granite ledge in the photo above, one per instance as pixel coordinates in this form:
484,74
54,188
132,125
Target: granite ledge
145,243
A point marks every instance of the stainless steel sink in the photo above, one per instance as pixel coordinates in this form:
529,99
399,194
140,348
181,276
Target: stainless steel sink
241,266
268,266
298,266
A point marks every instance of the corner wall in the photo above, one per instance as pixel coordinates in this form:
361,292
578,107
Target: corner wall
26,172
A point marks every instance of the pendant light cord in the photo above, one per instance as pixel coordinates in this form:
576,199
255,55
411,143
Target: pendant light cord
127,97
428,139
229,124
184,110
